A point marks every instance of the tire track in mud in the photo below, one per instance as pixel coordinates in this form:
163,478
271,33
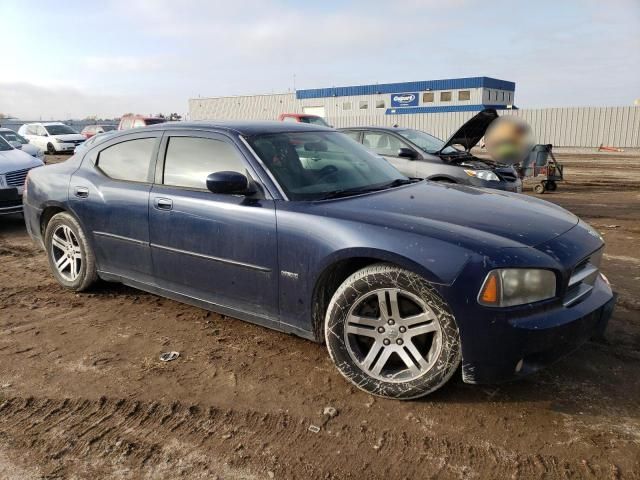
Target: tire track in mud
110,434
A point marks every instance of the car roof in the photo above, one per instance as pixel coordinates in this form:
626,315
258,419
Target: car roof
382,129
245,128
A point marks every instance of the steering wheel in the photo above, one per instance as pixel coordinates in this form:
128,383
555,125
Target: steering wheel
325,172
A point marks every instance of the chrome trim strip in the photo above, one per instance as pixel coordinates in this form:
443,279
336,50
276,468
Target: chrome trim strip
264,167
212,258
582,291
582,274
120,237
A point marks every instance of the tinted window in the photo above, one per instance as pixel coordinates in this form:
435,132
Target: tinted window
354,135
445,96
382,143
190,160
380,104
127,160
464,95
60,130
310,166
364,104
427,97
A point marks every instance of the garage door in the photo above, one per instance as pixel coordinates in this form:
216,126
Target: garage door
319,111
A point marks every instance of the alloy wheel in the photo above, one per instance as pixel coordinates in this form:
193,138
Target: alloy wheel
393,335
66,253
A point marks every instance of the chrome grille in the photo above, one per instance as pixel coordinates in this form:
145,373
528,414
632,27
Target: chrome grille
17,177
582,279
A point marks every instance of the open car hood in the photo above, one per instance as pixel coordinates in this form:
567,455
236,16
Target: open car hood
472,131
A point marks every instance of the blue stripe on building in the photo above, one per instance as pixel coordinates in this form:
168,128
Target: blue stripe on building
427,85
442,109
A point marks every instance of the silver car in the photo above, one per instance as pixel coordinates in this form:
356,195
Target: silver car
418,154
14,167
18,141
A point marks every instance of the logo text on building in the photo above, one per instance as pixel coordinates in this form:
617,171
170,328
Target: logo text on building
404,99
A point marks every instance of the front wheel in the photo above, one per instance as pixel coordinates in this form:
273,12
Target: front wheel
69,253
391,334
51,150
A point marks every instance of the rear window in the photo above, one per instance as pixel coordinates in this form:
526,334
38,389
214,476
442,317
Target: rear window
154,121
128,160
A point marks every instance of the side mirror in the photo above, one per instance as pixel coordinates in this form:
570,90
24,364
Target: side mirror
16,145
228,182
405,152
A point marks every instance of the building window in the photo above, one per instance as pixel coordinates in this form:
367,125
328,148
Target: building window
346,106
495,95
427,97
509,98
503,96
464,95
380,104
364,104
445,96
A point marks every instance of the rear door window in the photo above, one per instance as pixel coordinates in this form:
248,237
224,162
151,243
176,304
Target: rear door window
128,160
190,160
382,143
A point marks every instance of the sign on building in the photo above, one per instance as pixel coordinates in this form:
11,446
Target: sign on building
404,99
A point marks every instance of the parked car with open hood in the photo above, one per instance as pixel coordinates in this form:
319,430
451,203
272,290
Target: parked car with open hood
14,167
18,141
418,154
298,228
52,137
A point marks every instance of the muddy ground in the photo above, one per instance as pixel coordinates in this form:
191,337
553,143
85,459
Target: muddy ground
83,395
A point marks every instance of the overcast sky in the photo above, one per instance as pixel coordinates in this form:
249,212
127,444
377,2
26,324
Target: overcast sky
74,59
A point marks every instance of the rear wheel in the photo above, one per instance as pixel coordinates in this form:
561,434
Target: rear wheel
552,186
391,334
70,256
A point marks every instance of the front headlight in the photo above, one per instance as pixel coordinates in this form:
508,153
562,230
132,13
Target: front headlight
59,140
507,287
483,175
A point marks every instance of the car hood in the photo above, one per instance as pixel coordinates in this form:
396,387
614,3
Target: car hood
470,133
30,149
12,160
457,212
70,136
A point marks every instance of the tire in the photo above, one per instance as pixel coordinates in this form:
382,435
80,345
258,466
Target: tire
539,188
552,186
51,150
70,256
405,357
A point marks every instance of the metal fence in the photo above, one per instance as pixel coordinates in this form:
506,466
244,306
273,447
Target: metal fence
562,127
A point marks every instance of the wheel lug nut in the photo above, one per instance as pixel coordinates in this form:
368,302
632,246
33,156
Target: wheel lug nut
386,341
380,329
399,341
391,321
403,329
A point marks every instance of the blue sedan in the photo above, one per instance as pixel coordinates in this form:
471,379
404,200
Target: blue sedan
299,228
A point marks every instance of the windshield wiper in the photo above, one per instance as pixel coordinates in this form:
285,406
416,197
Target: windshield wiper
347,192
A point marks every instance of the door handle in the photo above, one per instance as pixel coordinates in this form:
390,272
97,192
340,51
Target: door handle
81,192
163,203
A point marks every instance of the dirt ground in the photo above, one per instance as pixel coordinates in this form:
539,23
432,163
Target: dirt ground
83,394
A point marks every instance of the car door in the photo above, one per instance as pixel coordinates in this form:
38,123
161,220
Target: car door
387,145
220,248
109,193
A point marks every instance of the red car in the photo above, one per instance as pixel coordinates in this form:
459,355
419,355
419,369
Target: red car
303,118
91,130
135,121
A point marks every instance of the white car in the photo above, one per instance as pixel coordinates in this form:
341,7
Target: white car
14,167
52,137
21,143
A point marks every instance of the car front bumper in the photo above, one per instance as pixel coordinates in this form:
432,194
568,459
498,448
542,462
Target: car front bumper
10,201
517,347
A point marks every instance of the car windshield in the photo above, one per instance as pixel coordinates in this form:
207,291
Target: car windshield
314,121
154,121
322,165
108,128
426,142
4,145
13,137
59,130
